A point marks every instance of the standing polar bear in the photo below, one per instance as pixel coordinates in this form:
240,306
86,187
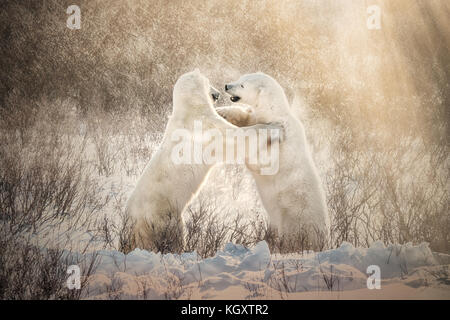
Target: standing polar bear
174,175
294,197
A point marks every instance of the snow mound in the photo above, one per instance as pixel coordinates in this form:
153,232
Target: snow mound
238,272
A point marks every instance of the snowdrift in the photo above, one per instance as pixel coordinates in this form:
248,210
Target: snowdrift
237,272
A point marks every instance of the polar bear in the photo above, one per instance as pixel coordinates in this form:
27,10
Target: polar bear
294,197
168,183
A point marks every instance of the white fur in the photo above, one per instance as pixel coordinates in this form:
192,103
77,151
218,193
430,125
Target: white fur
294,197
240,116
165,188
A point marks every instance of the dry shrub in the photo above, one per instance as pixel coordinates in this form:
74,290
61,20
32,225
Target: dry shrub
45,188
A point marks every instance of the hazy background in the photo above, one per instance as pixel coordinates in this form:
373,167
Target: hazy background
81,111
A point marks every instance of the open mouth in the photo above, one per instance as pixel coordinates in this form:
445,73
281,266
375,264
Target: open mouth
235,98
215,96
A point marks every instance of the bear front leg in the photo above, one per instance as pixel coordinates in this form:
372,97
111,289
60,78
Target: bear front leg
239,116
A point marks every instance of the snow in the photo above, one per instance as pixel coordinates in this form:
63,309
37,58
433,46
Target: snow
236,272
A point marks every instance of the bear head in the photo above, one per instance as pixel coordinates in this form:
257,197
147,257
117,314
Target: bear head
192,90
258,90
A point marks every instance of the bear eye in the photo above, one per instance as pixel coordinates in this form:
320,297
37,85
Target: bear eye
242,85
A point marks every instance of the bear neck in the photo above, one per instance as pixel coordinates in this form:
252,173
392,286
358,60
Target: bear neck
272,109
